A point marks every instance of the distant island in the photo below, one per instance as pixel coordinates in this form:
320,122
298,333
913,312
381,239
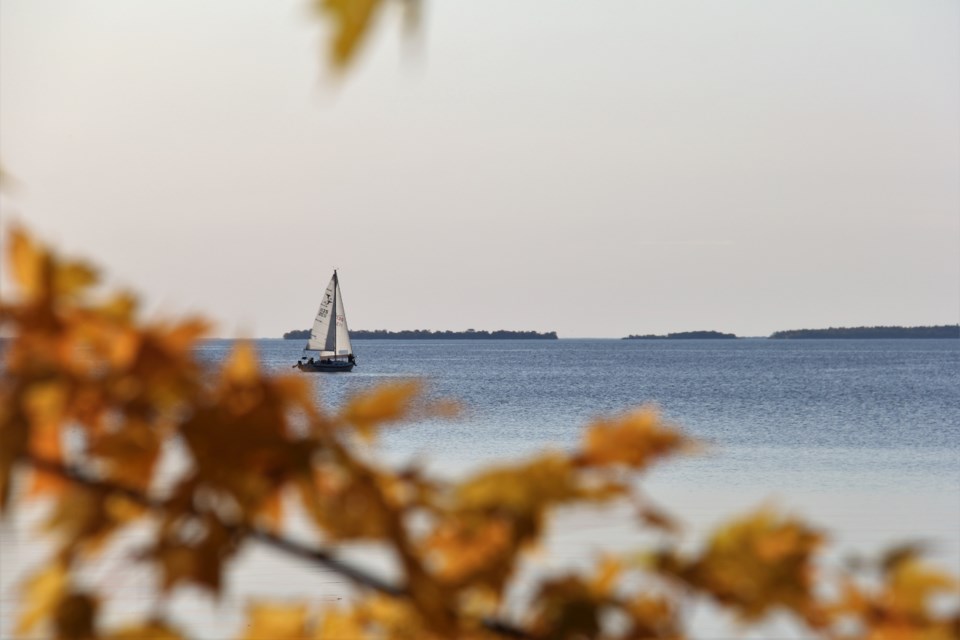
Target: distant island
423,334
686,335
939,331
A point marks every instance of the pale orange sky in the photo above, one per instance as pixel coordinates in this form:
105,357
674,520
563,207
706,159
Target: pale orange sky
597,168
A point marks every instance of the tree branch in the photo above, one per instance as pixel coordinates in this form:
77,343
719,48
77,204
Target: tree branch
317,555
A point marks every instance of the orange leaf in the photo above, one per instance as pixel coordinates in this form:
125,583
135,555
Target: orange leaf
277,621
44,405
272,510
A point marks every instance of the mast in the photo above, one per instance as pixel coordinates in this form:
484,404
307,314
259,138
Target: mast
331,338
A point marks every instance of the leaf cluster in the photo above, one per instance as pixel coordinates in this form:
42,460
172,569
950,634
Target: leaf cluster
257,446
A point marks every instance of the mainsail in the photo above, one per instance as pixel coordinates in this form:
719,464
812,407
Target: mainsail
330,335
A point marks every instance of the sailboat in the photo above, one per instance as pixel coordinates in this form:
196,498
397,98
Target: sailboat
329,338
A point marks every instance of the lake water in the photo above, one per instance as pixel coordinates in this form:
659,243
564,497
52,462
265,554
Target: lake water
813,414
862,436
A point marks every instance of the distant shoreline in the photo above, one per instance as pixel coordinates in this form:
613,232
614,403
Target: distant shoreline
946,331
862,333
423,334
685,335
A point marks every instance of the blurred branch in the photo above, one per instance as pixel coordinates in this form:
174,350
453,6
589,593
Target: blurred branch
317,555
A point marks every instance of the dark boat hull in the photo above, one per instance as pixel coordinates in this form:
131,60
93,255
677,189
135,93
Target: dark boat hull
326,367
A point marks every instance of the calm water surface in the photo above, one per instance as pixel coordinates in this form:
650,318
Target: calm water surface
862,436
827,414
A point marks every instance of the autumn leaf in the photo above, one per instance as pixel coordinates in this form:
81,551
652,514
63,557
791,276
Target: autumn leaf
44,406
241,366
339,625
154,630
41,594
272,511
463,550
28,263
346,507
351,21
386,403
754,564
71,278
636,440
276,621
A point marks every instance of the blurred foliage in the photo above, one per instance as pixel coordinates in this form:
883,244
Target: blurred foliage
258,445
351,21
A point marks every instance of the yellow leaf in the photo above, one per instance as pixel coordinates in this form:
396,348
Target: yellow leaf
635,440
72,278
607,574
386,403
147,631
524,488
912,587
754,564
339,625
276,621
41,594
352,20
242,367
465,549
119,308
28,262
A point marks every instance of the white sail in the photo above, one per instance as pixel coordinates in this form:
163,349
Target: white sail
342,346
329,335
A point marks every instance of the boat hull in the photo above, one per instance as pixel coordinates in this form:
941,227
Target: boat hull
326,367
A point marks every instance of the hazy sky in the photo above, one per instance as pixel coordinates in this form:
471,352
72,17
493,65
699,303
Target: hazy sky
594,167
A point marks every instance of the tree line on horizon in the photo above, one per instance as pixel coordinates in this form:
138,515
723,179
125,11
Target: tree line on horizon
878,332
426,334
937,331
